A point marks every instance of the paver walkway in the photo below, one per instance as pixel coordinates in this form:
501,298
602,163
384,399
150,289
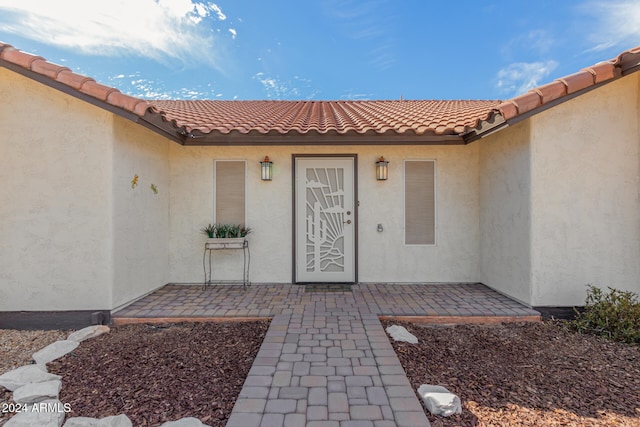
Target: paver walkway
326,360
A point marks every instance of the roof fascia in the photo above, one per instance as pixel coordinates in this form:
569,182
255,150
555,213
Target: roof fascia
297,139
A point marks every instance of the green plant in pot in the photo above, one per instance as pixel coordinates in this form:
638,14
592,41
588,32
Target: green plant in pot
209,230
225,231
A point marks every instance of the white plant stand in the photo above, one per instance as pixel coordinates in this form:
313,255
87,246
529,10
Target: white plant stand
239,243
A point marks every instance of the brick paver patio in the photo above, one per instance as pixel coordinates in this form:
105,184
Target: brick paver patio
326,360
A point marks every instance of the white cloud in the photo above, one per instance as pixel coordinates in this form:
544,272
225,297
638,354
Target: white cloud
139,87
536,41
278,89
352,95
158,29
215,8
618,23
233,32
517,78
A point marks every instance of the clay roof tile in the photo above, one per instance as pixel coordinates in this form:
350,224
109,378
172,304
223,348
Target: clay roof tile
123,101
578,81
551,91
602,72
18,57
527,101
508,110
47,69
97,90
72,79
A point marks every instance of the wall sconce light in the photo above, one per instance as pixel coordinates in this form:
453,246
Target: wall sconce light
266,169
382,169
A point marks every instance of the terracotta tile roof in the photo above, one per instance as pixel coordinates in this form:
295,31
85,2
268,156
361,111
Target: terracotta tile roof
326,117
270,121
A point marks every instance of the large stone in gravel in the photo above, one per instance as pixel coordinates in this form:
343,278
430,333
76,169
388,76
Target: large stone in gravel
184,422
116,421
439,400
36,417
54,351
37,392
88,332
400,333
18,377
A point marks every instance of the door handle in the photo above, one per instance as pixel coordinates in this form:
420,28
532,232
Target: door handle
347,221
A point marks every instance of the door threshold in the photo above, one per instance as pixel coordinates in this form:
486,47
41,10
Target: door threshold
327,287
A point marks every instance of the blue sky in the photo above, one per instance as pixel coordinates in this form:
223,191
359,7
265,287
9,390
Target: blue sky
329,49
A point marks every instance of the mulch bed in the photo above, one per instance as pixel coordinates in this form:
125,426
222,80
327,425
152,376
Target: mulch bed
536,374
159,373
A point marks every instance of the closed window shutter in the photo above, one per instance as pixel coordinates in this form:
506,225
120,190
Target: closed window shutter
419,200
230,192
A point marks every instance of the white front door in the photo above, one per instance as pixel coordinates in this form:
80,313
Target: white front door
325,219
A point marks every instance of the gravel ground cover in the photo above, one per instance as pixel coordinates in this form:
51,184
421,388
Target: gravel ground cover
533,374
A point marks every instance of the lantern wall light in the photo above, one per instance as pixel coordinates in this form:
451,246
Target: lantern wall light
266,169
382,169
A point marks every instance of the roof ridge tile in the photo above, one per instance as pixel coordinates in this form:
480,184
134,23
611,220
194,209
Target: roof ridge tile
47,69
23,59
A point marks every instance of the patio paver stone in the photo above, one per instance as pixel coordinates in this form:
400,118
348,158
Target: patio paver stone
326,359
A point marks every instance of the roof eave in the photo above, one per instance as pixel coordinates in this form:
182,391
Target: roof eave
293,138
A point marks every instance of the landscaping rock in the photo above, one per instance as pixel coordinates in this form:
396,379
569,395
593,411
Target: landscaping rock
54,351
39,414
88,332
37,392
23,375
116,421
184,422
400,333
439,400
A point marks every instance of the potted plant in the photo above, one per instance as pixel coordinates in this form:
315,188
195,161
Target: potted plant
209,230
226,234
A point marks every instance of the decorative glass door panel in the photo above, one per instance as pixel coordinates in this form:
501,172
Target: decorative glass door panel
325,220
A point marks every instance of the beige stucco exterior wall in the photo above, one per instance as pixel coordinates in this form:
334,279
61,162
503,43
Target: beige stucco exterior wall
537,210
505,211
140,216
585,195
55,199
382,257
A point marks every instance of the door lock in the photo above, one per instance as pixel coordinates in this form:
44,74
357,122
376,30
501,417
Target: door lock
347,222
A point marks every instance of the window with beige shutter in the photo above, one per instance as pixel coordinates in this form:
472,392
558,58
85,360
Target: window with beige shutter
230,191
420,202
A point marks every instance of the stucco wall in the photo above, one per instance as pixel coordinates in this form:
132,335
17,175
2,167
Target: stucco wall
140,216
55,199
505,211
382,256
585,195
